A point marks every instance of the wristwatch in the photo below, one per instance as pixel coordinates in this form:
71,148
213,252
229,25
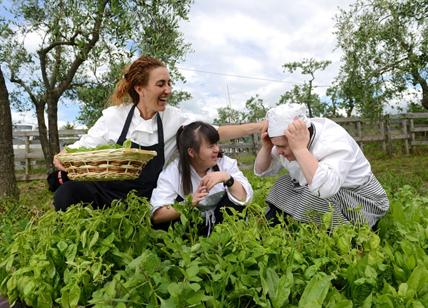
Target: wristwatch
229,182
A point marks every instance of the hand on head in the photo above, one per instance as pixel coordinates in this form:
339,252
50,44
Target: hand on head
297,135
266,142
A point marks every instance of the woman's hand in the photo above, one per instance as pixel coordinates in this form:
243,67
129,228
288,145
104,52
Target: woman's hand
199,194
213,178
297,135
266,142
58,164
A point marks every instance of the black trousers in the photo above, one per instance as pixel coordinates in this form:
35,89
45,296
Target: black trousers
273,213
98,194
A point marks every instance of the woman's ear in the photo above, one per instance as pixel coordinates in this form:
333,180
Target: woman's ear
191,152
139,90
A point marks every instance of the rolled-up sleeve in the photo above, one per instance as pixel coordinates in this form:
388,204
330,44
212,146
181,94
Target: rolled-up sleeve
274,166
166,191
231,166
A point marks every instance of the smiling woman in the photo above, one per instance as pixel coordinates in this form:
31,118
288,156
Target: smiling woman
140,113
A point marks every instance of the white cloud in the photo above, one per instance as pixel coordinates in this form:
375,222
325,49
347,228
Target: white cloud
26,117
235,38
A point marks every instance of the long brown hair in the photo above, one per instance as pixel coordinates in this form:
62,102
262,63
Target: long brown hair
136,74
191,136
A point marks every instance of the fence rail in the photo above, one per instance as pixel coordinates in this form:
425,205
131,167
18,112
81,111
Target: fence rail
402,133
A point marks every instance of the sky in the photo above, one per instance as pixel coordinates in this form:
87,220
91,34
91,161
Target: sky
253,39
239,47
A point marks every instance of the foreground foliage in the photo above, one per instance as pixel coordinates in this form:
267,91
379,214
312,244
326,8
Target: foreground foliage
113,258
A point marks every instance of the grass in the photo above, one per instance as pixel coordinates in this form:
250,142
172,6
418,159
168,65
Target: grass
398,171
34,194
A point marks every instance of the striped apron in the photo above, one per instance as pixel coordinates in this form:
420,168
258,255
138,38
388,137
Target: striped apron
364,204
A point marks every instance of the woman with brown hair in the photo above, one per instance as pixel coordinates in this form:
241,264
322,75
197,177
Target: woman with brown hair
139,112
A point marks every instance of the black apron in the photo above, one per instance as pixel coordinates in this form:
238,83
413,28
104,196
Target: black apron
105,192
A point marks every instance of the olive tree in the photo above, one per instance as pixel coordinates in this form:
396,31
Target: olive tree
255,109
228,115
385,52
56,46
305,93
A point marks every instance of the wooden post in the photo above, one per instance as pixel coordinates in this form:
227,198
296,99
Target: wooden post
27,160
412,135
388,135
406,140
359,134
253,139
382,133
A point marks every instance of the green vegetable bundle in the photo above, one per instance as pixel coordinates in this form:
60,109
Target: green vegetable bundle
126,145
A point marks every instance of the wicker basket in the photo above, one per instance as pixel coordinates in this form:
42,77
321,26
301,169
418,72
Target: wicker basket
105,165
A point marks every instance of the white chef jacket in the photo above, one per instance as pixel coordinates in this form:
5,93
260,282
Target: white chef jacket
341,163
109,126
169,184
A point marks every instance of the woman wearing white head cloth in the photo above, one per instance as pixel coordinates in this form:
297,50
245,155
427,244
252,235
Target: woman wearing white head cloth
326,169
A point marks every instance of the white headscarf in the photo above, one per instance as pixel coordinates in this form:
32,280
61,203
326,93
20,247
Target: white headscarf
281,116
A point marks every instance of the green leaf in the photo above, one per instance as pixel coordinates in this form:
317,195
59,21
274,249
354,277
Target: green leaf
192,272
74,295
418,278
196,298
174,289
70,296
315,291
29,288
62,245
94,239
127,144
368,302
83,238
70,253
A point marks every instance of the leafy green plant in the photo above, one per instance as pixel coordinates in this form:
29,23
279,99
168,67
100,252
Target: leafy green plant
114,258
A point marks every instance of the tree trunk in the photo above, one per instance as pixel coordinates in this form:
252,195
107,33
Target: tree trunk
349,109
53,125
424,99
418,78
43,135
8,187
308,103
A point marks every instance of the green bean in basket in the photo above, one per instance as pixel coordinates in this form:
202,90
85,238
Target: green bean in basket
126,145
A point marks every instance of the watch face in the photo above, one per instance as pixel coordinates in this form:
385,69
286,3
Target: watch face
229,182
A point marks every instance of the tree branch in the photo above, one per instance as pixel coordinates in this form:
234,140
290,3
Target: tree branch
387,67
65,84
70,42
27,89
54,77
